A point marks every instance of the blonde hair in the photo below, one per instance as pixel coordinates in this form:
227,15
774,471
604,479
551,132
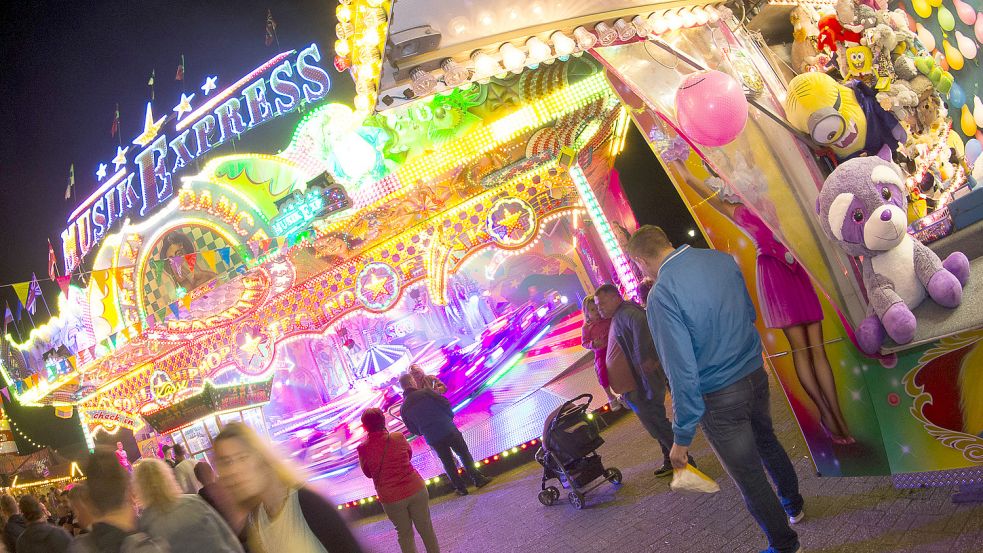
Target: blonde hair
155,484
249,438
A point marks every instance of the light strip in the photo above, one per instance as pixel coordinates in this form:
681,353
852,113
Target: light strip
216,100
113,181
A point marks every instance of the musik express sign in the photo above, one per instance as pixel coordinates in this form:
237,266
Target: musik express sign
201,121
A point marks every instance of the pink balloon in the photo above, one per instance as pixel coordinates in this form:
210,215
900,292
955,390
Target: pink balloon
711,108
979,28
966,12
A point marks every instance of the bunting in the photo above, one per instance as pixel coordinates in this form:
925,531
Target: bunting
174,309
21,289
210,257
191,259
100,277
226,257
63,283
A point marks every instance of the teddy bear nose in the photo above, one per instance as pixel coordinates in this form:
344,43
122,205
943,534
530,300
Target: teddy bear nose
886,215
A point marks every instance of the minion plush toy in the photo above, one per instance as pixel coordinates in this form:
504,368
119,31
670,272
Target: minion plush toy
847,119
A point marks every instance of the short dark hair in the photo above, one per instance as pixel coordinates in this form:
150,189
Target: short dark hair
30,507
108,482
607,288
373,419
8,504
178,449
200,468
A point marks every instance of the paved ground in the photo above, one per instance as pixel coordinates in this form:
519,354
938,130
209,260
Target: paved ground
843,514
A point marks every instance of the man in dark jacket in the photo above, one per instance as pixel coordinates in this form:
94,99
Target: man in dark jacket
16,523
39,536
427,413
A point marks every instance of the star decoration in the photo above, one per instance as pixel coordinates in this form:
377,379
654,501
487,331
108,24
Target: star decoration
120,158
101,173
378,286
209,85
251,344
184,106
150,128
510,221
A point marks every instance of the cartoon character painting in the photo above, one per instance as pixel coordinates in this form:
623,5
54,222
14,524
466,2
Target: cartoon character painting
862,207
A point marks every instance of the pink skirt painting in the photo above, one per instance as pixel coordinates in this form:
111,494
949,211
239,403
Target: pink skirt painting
785,293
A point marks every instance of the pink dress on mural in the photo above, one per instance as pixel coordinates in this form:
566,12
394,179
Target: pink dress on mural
785,292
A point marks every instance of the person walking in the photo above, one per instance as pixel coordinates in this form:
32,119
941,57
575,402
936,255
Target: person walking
168,452
427,413
184,471
640,378
284,515
385,458
114,518
594,336
712,353
185,521
15,522
39,536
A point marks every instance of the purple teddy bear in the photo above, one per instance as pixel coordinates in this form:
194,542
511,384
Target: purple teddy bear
863,208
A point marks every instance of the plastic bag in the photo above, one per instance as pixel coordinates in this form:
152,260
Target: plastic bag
691,479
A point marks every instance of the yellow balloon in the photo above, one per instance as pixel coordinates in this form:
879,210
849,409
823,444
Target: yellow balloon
935,3
957,144
922,8
967,122
953,56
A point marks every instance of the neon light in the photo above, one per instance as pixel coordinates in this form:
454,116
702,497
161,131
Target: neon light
120,158
184,106
216,100
97,194
150,128
101,172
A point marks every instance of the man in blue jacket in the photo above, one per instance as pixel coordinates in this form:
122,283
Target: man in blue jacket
427,413
702,321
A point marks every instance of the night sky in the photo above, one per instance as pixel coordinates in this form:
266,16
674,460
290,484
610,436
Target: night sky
67,64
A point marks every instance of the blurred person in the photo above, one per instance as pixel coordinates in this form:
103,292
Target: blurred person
426,381
114,519
427,413
39,536
284,515
640,376
594,336
712,353
184,471
81,513
15,522
168,452
215,494
66,520
186,522
385,458
121,456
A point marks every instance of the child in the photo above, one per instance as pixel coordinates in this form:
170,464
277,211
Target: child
595,338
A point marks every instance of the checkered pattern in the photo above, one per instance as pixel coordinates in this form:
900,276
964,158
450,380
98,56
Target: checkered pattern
155,293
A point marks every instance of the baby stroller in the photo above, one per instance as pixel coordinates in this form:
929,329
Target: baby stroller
569,453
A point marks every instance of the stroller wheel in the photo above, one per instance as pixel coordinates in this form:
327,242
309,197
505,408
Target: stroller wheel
546,498
577,500
555,493
613,475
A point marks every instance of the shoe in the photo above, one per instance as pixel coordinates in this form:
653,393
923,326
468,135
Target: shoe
616,406
664,470
773,550
461,491
483,482
796,518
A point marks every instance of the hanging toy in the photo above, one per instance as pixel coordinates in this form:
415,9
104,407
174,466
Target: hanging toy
946,21
966,45
925,37
966,12
966,122
921,8
952,56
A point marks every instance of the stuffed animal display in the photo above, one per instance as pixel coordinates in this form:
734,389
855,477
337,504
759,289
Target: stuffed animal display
862,207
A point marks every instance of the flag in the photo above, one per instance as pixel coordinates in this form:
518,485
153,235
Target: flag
150,83
63,282
179,76
270,28
33,293
21,289
115,128
52,262
71,181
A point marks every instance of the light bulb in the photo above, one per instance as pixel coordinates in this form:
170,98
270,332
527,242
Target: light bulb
374,17
344,13
673,21
422,82
539,51
363,103
344,30
585,39
454,73
459,25
484,64
370,39
713,16
687,18
701,15
562,44
512,58
658,23
605,34
624,29
374,3
342,48
642,26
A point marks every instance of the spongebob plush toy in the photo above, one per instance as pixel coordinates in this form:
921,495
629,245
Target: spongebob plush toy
859,62
847,119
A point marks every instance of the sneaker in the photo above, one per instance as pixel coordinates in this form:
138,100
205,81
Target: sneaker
664,470
616,405
796,518
461,491
483,482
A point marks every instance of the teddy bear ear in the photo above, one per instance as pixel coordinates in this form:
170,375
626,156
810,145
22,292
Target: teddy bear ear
885,154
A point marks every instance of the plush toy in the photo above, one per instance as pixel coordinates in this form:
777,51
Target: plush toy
862,208
804,52
847,119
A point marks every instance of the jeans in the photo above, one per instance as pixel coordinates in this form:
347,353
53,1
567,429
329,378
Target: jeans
410,512
652,412
737,423
455,442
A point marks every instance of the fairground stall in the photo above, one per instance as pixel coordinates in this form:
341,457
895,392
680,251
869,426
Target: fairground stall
456,216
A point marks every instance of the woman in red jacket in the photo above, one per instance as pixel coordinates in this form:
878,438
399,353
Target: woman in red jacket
385,458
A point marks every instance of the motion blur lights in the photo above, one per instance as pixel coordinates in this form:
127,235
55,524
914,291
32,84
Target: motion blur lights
539,51
606,35
624,29
562,44
585,39
513,58
422,82
458,26
454,73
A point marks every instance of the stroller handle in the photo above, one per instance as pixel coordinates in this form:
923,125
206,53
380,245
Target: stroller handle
589,397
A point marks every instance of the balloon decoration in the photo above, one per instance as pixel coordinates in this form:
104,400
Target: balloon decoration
978,111
935,3
957,97
952,56
711,108
925,37
946,21
965,12
979,27
973,149
966,45
922,8
966,122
